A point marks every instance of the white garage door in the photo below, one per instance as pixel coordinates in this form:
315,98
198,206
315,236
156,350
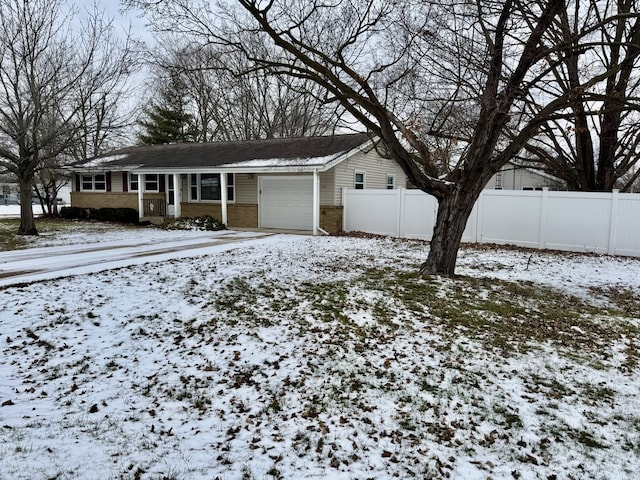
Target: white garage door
286,202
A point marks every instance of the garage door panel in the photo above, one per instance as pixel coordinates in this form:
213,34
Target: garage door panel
286,202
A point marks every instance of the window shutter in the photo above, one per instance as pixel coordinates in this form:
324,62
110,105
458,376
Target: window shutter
108,177
77,182
162,182
125,182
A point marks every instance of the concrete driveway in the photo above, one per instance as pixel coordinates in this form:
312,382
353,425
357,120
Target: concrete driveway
34,264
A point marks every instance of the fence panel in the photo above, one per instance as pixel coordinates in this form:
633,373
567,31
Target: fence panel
373,211
510,218
572,221
627,231
578,221
418,214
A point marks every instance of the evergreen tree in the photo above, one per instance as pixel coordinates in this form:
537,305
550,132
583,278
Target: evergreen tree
167,119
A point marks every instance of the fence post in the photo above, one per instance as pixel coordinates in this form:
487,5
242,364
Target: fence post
613,224
477,233
344,209
542,228
401,209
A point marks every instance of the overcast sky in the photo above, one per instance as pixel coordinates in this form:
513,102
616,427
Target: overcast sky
113,9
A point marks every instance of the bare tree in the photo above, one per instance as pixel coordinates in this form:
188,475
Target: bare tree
49,75
231,100
48,183
453,90
593,143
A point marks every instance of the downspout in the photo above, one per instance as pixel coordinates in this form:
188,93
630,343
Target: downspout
316,202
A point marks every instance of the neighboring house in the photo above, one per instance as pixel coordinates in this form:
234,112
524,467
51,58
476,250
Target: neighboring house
516,177
9,191
289,183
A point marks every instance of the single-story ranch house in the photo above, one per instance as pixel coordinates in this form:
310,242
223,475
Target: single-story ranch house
284,183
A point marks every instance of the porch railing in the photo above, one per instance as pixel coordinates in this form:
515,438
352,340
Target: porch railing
154,207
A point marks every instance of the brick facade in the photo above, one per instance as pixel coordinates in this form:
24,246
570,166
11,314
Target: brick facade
104,200
239,215
331,219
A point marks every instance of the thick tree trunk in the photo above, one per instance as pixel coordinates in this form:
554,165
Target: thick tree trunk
451,220
27,221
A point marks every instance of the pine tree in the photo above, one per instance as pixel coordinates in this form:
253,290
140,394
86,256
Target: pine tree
167,119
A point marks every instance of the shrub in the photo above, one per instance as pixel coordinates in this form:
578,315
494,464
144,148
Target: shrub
204,222
74,213
118,215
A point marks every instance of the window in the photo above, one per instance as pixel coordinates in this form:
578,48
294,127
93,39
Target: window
171,191
391,182
151,183
87,182
210,186
206,187
499,181
133,182
231,187
193,184
94,183
358,181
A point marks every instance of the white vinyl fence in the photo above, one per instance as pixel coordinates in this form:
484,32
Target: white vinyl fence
606,223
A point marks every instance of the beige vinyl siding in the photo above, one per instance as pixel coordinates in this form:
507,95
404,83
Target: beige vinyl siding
116,182
375,169
246,188
184,188
327,188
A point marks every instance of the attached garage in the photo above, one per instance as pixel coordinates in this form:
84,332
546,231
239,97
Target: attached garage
286,202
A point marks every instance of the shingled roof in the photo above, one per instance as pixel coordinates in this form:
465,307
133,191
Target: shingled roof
286,152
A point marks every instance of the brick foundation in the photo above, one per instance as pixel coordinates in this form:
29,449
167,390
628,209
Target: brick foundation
331,219
239,215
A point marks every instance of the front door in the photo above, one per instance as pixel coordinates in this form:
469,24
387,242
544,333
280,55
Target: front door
171,202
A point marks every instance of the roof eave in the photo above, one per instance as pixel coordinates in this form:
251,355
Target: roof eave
227,169
341,158
103,168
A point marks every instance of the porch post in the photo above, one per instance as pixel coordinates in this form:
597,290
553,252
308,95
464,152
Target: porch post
177,195
223,197
140,203
316,202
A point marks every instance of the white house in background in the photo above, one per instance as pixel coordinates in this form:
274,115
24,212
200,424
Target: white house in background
281,183
515,177
10,192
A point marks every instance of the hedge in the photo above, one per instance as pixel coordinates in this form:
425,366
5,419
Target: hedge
118,215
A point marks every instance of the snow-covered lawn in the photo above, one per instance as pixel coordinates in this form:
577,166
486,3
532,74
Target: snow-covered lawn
325,358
